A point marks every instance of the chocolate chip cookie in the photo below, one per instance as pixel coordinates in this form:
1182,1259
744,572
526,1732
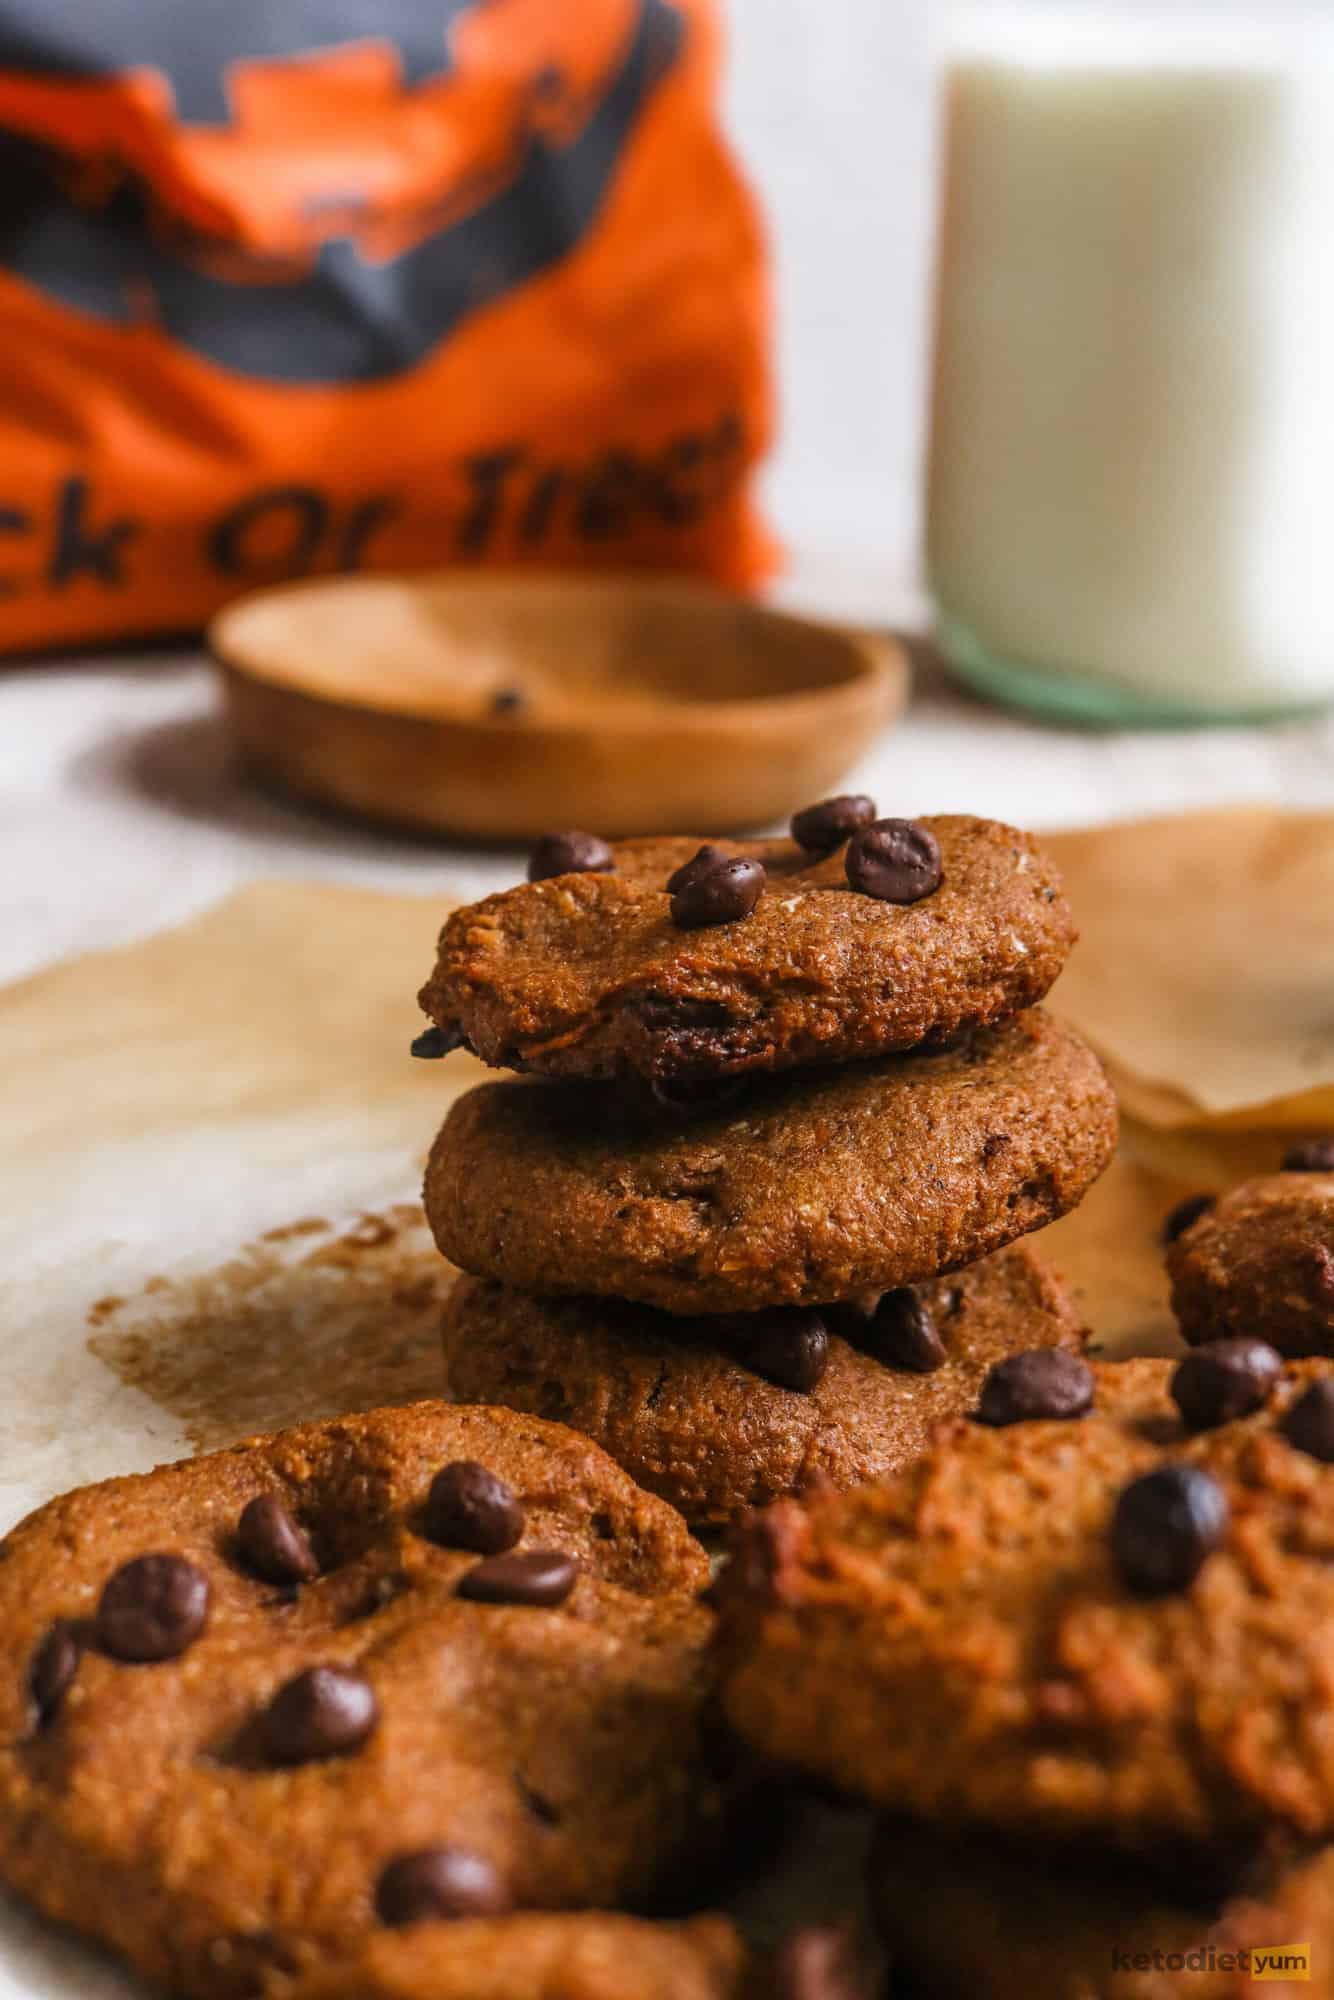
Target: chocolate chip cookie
1260,1260
973,1919
814,1187
597,1956
260,1704
690,1408
1108,1624
593,974
589,1956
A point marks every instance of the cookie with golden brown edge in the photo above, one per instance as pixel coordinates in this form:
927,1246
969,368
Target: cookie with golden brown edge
973,1919
588,975
680,1404
257,1704
588,1956
1104,1626
814,1187
598,1956
1260,1260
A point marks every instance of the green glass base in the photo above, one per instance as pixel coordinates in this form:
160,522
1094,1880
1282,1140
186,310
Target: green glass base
1084,698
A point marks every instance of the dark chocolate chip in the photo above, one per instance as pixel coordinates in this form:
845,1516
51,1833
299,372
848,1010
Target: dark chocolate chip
1045,1382
690,871
1314,1156
508,701
54,1665
152,1608
272,1545
323,1712
823,827
440,1882
719,895
572,853
539,1577
1166,1526
894,860
1179,1219
820,1962
433,1043
903,1334
662,1014
789,1346
1309,1424
470,1508
1224,1380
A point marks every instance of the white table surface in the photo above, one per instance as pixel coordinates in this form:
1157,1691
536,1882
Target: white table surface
121,810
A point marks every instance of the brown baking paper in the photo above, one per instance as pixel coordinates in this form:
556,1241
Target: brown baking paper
1204,975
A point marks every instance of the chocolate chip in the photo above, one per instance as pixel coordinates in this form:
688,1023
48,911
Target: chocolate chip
1179,1219
903,1334
433,1043
822,828
894,860
820,1962
1166,1526
1224,1380
1309,1424
690,871
508,701
470,1508
152,1608
1314,1156
789,1346
323,1712
272,1545
722,894
540,1577
440,1882
572,853
1046,1382
54,1665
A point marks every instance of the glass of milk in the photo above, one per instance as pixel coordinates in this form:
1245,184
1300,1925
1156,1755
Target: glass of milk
1131,492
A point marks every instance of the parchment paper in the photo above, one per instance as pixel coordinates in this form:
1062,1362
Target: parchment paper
1205,971
214,1141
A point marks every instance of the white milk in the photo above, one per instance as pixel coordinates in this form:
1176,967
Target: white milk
1132,465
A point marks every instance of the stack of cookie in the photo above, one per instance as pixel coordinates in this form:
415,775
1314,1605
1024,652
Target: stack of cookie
754,1222
1083,1666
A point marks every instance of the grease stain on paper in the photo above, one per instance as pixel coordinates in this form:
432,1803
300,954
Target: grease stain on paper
305,1322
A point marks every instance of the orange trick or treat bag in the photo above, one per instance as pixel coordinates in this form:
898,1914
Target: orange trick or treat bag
296,286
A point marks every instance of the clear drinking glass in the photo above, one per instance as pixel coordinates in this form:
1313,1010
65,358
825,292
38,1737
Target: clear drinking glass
1131,485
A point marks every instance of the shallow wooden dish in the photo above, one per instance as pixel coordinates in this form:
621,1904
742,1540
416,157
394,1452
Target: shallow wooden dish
498,708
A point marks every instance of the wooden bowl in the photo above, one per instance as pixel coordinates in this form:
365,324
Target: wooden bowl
499,708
